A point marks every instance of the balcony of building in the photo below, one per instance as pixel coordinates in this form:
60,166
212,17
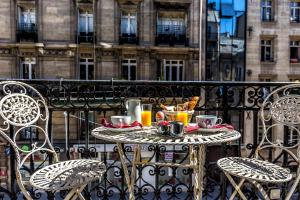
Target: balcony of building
171,35
84,37
76,108
128,39
27,32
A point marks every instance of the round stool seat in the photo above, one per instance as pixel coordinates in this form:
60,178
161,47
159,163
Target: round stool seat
67,175
254,169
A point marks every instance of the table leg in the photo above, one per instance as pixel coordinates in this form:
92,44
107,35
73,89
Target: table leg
199,172
126,174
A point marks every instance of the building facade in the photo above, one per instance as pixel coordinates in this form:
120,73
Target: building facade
100,39
273,29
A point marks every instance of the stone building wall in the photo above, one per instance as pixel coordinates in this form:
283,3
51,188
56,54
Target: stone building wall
281,29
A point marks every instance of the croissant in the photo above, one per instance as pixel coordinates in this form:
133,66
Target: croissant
192,104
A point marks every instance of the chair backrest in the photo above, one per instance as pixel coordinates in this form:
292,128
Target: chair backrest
23,107
282,108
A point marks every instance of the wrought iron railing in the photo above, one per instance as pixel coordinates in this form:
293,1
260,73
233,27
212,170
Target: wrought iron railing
128,39
86,37
72,100
171,35
27,32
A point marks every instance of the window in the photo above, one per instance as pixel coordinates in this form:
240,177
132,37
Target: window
86,68
173,70
85,27
27,68
292,136
129,69
128,23
261,129
267,50
27,19
294,52
171,28
267,10
29,133
82,123
295,11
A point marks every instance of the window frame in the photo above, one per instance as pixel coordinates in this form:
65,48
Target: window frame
295,44
293,8
264,10
264,47
86,65
171,65
129,17
31,63
86,15
129,65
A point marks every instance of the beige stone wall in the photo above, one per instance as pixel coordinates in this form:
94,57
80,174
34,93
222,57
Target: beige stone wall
56,18
5,66
6,20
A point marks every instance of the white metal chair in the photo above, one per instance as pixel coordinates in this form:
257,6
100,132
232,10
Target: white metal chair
23,107
282,106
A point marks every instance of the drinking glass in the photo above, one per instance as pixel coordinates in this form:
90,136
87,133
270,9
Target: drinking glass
182,114
146,114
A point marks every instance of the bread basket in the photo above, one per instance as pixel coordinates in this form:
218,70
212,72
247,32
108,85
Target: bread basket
171,115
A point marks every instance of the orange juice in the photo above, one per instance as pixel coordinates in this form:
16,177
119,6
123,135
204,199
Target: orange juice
146,118
182,117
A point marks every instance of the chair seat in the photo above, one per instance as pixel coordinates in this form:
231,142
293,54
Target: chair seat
249,168
67,175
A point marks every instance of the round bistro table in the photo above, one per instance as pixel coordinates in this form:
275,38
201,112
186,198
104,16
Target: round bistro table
150,136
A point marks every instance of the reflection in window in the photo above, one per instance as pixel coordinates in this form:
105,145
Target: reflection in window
27,19
85,27
128,23
295,11
225,56
294,52
129,69
266,50
267,10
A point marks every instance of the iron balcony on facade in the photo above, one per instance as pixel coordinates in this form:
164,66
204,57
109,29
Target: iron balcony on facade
128,39
86,37
171,35
27,32
268,19
295,19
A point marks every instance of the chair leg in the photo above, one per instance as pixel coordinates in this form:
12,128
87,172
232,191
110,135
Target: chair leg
261,189
295,184
236,187
71,194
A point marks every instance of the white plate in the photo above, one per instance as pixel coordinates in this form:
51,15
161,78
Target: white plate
136,128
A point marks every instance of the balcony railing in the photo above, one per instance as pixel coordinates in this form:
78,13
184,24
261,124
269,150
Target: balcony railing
267,19
237,103
128,39
171,35
86,37
27,32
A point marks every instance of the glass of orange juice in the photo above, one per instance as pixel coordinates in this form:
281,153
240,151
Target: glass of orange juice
147,114
182,114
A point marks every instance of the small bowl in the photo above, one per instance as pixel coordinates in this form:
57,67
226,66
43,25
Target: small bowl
120,120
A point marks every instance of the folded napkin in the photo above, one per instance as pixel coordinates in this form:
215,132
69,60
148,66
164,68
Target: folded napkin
228,126
191,129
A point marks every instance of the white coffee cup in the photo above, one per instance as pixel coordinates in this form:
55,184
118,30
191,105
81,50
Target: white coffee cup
207,121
